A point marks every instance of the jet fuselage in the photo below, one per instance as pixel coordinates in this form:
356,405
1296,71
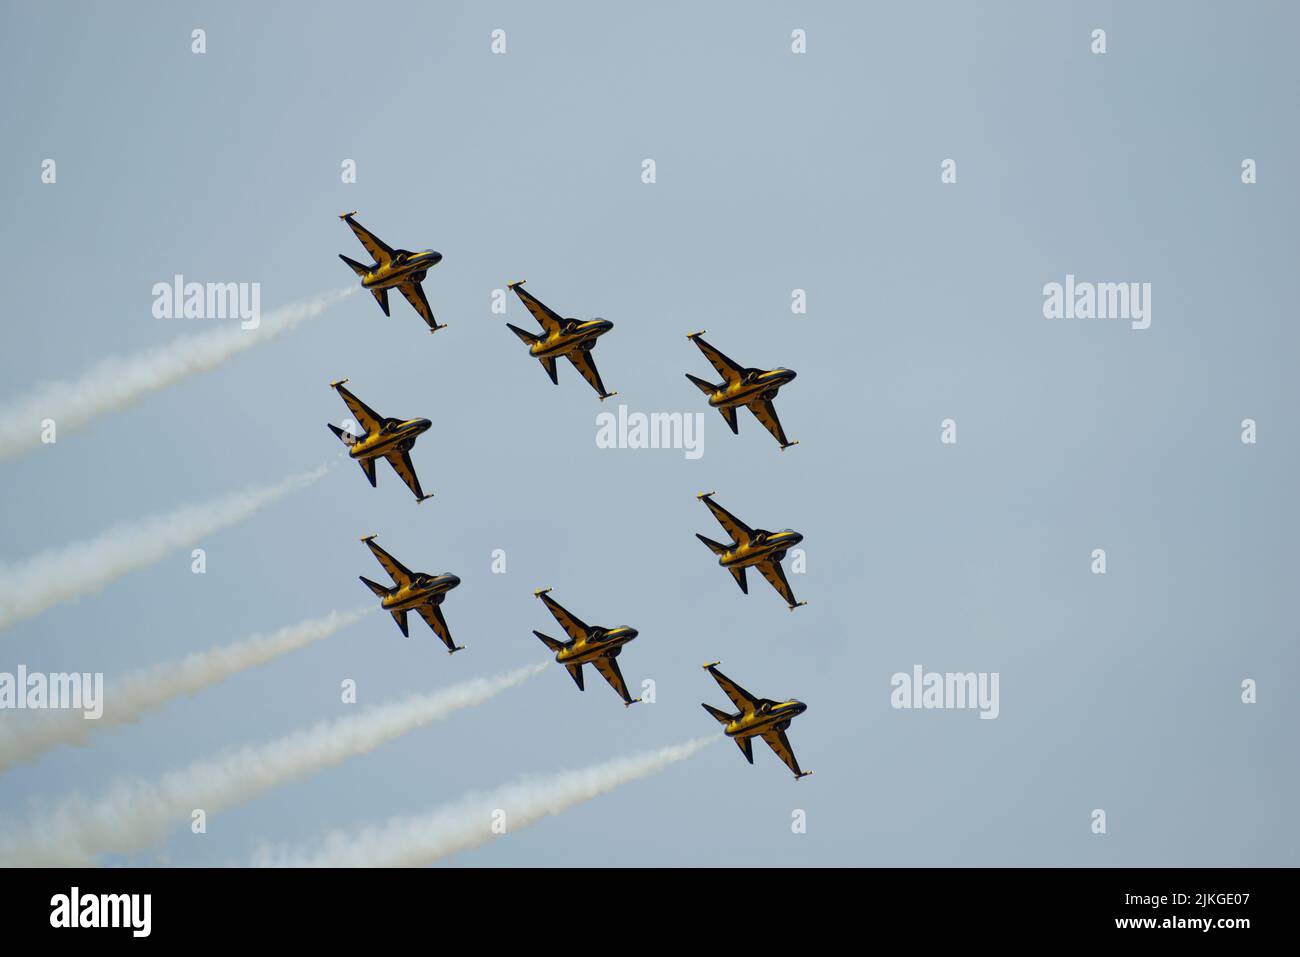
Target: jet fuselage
420,590
599,643
403,267
754,384
393,437
762,547
776,716
571,336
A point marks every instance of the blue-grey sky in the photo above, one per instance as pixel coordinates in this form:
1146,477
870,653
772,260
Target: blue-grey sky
775,172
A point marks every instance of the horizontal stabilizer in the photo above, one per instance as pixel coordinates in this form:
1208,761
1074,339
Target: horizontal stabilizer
527,337
357,268
720,716
375,587
347,438
708,388
549,642
716,547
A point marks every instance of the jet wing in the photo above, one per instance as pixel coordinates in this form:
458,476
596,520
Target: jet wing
575,672
549,319
414,294
374,245
765,412
738,530
432,614
401,463
548,363
778,742
585,364
398,572
574,627
367,417
608,667
729,370
775,576
741,698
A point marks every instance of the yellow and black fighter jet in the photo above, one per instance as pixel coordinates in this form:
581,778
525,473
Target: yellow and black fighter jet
757,717
413,591
562,337
752,388
393,268
588,645
390,439
752,546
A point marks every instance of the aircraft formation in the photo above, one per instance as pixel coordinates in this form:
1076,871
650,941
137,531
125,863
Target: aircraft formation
370,437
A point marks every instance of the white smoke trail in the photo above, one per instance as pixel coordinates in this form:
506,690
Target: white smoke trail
135,814
423,839
127,698
116,382
81,568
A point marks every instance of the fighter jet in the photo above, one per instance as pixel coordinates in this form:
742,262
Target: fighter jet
383,438
413,591
761,717
752,546
562,337
588,645
752,388
393,268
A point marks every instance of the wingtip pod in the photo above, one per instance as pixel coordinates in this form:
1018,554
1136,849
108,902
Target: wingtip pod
803,774
695,335
452,651
608,395
712,664
346,215
798,604
369,538
337,382
628,704
517,282
423,498
539,592
704,495
789,445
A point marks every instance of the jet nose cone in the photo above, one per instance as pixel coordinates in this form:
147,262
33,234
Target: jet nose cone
795,538
453,580
603,325
424,425
790,375
632,633
800,707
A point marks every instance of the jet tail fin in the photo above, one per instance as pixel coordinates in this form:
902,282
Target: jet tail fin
527,337
375,587
720,716
357,268
549,642
716,547
706,387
